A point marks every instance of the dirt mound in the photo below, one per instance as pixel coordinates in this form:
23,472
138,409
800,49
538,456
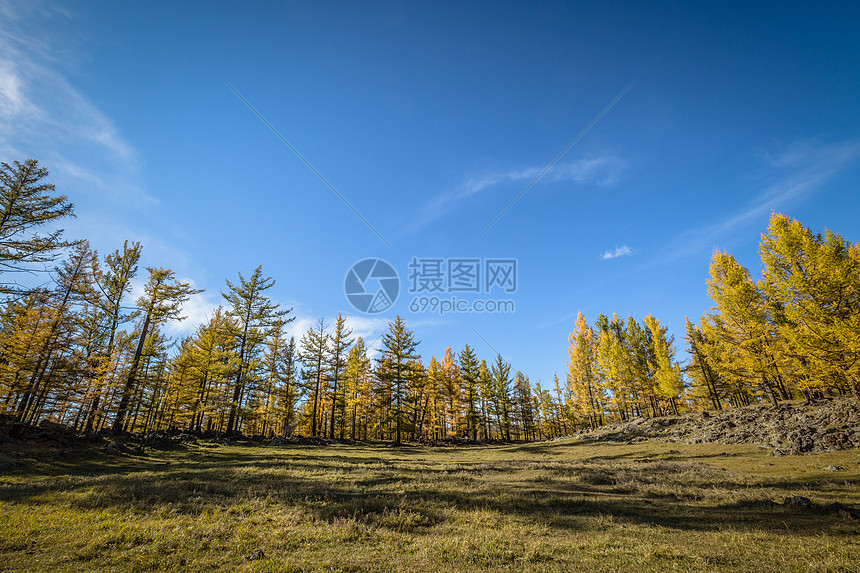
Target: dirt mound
790,428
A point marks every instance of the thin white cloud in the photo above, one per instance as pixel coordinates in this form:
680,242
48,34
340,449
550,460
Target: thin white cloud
792,173
622,251
44,116
604,170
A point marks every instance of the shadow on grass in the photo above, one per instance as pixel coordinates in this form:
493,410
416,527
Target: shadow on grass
383,487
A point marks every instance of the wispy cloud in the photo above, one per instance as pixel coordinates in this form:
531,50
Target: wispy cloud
604,170
622,251
789,174
44,116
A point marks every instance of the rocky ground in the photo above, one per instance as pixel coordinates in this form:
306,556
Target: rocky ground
790,428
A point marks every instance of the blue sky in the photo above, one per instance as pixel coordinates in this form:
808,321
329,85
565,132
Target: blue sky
429,119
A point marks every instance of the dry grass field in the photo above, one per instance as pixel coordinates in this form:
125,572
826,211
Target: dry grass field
559,506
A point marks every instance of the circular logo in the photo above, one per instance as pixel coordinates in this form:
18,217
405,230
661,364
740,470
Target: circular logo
371,285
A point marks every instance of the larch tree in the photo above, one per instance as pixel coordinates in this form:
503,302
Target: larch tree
812,283
163,298
485,386
740,319
640,351
468,364
254,315
435,376
274,377
340,345
289,392
313,352
524,404
112,284
356,387
667,374
501,374
28,204
611,358
397,368
208,356
700,368
74,285
580,377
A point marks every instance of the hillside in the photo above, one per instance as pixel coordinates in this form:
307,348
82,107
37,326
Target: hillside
790,428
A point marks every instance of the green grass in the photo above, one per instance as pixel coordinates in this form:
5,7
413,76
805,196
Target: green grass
560,506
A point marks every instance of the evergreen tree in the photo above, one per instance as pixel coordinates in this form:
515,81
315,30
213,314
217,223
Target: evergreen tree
581,377
396,369
314,352
340,345
113,284
27,204
700,368
254,316
162,301
667,373
501,374
812,285
468,364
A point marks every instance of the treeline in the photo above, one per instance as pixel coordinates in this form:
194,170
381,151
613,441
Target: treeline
78,352
792,334
619,369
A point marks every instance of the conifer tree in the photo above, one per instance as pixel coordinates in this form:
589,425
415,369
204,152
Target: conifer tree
340,345
112,284
638,342
700,368
435,377
501,374
27,204
162,301
314,352
396,369
485,386
451,389
581,378
254,316
524,404
74,285
289,387
812,284
468,364
356,387
740,323
667,373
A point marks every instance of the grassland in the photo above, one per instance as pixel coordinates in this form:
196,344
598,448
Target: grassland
559,506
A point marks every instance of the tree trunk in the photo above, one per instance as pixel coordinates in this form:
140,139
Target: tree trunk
132,373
